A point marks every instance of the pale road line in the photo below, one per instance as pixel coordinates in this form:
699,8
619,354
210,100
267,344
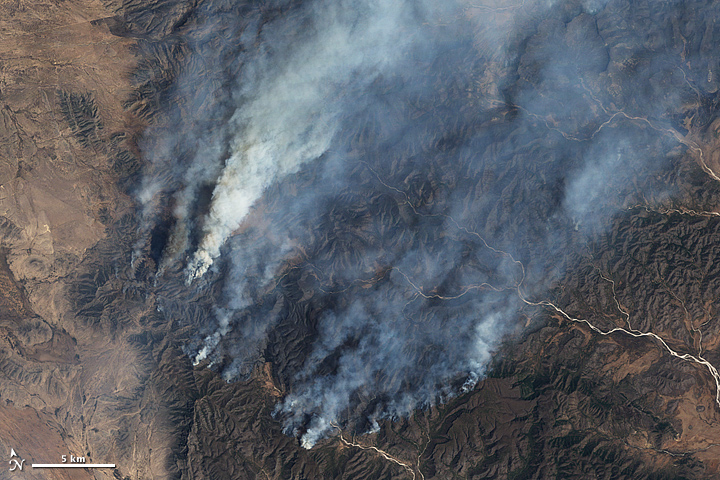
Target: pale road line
547,304
692,145
544,303
634,333
688,143
382,453
688,320
592,95
679,211
617,303
463,291
696,148
668,211
697,92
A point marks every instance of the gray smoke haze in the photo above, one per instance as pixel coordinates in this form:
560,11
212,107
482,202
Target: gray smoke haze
291,93
375,168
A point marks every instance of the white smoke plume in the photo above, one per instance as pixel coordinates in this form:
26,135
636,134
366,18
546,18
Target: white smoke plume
391,300
327,398
290,97
212,340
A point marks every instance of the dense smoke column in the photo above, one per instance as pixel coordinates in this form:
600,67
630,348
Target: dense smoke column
307,74
377,170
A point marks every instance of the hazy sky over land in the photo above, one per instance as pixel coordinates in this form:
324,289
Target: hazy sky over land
378,158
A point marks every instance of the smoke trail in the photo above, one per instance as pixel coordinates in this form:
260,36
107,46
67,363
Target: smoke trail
393,152
291,96
379,357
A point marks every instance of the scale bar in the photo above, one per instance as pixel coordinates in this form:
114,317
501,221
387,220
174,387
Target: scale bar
73,465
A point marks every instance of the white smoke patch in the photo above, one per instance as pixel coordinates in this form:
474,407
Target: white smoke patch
254,265
379,354
211,341
199,172
377,345
290,104
485,342
326,401
187,148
